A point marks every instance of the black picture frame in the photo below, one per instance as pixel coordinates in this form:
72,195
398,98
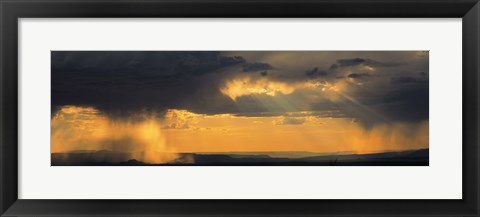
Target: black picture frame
12,10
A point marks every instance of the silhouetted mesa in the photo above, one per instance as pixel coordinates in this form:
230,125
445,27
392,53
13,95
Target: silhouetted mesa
111,158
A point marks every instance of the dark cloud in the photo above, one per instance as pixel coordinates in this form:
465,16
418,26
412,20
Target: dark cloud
122,83
141,63
315,72
255,67
350,62
361,61
125,82
407,104
413,79
333,66
359,75
407,80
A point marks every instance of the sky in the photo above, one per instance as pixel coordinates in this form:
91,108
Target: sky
239,101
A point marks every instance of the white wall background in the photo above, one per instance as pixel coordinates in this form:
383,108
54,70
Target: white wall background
442,179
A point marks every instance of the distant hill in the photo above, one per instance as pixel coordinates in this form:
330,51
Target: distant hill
276,154
79,158
112,158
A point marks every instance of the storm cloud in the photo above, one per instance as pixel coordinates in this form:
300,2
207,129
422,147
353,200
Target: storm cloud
370,87
361,61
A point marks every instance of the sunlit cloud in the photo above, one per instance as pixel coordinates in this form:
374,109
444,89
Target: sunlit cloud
180,119
248,86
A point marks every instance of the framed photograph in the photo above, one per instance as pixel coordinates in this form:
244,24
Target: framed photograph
239,108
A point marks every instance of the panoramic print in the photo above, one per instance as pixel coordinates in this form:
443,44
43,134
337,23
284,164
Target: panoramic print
239,108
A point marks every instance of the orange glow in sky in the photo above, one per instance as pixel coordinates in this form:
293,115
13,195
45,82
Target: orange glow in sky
158,138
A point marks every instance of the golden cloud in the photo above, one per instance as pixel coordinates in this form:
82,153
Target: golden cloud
247,86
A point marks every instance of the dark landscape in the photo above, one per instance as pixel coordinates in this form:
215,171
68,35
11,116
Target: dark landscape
110,158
